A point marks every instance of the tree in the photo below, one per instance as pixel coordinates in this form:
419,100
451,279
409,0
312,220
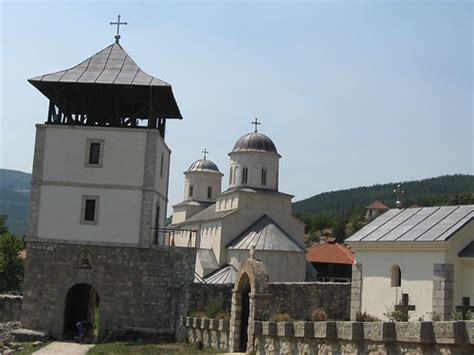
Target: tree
11,266
321,221
339,228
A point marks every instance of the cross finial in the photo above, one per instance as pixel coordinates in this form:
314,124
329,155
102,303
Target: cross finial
118,23
256,123
205,152
398,190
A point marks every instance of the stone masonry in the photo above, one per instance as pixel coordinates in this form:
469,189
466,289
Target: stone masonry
443,276
10,308
137,287
356,290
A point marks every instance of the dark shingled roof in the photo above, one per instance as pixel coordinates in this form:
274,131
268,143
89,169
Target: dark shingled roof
265,234
254,142
208,214
425,224
468,251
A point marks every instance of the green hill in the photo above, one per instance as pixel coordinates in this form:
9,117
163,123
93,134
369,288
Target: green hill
443,190
14,198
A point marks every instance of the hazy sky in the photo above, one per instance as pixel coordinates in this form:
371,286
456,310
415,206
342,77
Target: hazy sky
351,92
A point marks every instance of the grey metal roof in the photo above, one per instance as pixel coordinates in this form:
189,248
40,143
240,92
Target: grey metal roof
254,190
203,165
253,142
194,203
224,275
207,258
112,65
208,214
468,251
265,234
415,224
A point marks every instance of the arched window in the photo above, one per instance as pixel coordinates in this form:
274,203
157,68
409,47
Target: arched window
161,164
209,191
396,276
245,172
230,175
264,177
236,173
191,190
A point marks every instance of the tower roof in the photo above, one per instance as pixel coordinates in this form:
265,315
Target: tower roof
254,142
109,78
203,165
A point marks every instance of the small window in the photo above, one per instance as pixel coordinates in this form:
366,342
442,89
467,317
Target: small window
161,164
209,191
90,206
191,191
264,177
396,276
230,175
244,175
94,153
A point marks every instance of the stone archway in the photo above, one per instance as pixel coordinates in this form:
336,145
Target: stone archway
82,304
249,303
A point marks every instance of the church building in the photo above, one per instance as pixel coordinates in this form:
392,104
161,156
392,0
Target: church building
250,216
419,260
98,201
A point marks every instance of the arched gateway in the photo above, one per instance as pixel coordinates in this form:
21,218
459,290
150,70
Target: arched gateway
249,303
82,304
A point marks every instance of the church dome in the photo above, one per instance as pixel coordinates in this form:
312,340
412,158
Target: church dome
203,165
254,142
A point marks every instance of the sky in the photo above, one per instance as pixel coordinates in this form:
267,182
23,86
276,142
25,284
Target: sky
352,92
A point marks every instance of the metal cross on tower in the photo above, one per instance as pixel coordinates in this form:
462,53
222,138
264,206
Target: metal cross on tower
256,123
398,190
118,23
205,152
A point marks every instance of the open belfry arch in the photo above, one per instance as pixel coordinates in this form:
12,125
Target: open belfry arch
98,201
250,298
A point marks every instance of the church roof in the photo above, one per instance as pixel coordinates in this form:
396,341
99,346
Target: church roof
254,142
224,275
423,224
254,190
468,251
265,234
377,205
207,258
208,214
203,165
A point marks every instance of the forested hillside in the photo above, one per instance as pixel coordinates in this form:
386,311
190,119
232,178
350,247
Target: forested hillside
14,198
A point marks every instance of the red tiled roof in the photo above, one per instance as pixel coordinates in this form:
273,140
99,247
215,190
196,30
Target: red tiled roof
377,205
333,253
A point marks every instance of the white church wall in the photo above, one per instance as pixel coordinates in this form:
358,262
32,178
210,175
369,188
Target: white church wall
254,162
462,287
65,155
61,209
200,182
416,279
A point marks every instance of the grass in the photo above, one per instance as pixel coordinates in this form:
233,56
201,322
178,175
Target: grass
158,349
28,348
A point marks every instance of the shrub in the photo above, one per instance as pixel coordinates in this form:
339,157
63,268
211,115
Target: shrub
394,315
366,317
280,317
319,315
458,315
213,307
435,317
223,315
198,314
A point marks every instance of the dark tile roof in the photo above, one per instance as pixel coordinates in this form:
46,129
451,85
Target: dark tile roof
468,251
425,224
265,234
207,214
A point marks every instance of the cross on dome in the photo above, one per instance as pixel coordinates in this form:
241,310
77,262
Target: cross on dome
118,23
205,152
256,123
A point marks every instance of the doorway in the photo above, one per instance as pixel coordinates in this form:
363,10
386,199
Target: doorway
82,304
244,320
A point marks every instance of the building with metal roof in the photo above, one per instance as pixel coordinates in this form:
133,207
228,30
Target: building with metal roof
425,252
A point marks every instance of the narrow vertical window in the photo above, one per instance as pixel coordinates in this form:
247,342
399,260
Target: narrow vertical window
236,172
89,210
244,175
157,224
161,164
396,276
191,191
94,153
264,177
209,192
230,175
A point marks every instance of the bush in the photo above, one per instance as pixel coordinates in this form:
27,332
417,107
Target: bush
365,317
223,315
397,315
435,317
319,315
280,317
213,307
458,315
11,266
198,314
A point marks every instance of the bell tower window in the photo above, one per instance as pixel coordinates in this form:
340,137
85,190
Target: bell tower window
94,153
191,191
245,172
264,177
209,192
230,175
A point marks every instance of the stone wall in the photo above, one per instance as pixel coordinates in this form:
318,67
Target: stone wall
345,337
10,308
137,287
213,333
443,278
299,299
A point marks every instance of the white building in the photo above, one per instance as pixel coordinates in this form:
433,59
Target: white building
225,226
427,253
